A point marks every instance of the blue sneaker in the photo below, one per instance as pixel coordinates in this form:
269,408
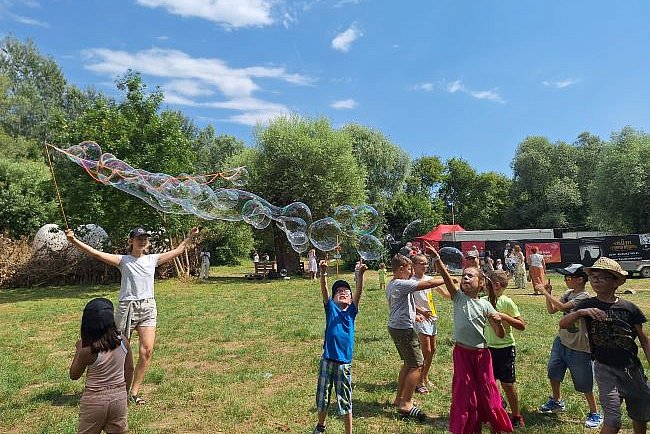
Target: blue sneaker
594,420
553,406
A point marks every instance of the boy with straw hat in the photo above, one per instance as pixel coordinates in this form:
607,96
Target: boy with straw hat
613,325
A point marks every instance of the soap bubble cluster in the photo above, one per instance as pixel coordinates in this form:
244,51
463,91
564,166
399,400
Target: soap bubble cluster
193,194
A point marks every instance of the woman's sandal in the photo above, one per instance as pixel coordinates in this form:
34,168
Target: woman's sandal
414,413
137,400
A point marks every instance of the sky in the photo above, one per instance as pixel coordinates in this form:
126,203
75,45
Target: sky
451,78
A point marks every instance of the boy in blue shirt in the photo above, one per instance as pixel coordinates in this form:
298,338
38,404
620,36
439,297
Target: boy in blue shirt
336,362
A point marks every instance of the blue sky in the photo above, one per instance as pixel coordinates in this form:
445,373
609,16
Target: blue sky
449,78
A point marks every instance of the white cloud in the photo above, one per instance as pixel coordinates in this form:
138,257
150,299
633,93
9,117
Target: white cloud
562,83
344,104
234,13
162,38
455,86
341,3
187,88
28,21
426,87
191,80
490,95
175,64
343,40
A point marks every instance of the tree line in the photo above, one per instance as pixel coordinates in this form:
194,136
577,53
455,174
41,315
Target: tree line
591,183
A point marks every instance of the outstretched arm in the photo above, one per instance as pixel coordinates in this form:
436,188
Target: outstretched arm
553,304
106,258
168,256
515,322
356,298
442,269
592,312
323,282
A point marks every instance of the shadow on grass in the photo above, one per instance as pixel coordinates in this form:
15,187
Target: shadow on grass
51,292
57,398
387,389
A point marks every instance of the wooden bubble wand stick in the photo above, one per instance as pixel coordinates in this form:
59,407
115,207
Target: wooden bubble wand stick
56,186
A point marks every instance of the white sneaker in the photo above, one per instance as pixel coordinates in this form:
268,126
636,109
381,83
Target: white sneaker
594,420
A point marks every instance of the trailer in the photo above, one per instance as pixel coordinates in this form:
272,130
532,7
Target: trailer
500,235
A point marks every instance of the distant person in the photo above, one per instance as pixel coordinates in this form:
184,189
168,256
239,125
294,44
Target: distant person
537,270
312,266
407,249
266,257
520,268
472,260
498,265
475,251
506,253
613,325
571,347
336,362
256,257
106,358
137,308
205,265
488,263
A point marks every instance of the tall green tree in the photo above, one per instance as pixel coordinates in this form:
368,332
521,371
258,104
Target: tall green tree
301,159
26,200
620,194
547,189
480,201
386,164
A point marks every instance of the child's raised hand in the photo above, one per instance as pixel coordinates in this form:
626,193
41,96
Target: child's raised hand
362,268
323,267
69,235
194,231
428,248
548,287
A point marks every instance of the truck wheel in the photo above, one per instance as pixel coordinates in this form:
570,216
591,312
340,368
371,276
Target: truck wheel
645,272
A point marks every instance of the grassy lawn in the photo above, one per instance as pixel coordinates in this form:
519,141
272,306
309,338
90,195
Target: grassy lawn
240,356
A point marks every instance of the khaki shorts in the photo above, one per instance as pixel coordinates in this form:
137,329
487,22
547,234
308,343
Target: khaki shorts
104,410
135,313
408,346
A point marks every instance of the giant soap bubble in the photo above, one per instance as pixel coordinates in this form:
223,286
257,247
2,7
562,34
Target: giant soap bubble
370,247
193,194
452,258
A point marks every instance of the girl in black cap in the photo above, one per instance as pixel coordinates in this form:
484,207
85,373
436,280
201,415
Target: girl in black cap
108,363
137,307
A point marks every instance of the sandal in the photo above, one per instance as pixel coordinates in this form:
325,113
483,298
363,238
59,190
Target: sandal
414,413
137,400
422,389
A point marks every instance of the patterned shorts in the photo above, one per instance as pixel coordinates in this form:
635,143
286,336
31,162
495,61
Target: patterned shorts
339,375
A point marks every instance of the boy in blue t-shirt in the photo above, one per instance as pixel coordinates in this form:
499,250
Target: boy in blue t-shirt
336,362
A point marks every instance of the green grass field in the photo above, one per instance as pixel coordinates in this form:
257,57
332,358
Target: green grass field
241,356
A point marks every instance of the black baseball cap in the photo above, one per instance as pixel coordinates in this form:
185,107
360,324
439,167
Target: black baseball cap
137,232
340,284
98,314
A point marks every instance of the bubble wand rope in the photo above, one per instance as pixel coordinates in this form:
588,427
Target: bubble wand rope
56,186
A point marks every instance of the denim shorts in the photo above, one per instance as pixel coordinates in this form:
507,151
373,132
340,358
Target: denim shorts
578,362
427,327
